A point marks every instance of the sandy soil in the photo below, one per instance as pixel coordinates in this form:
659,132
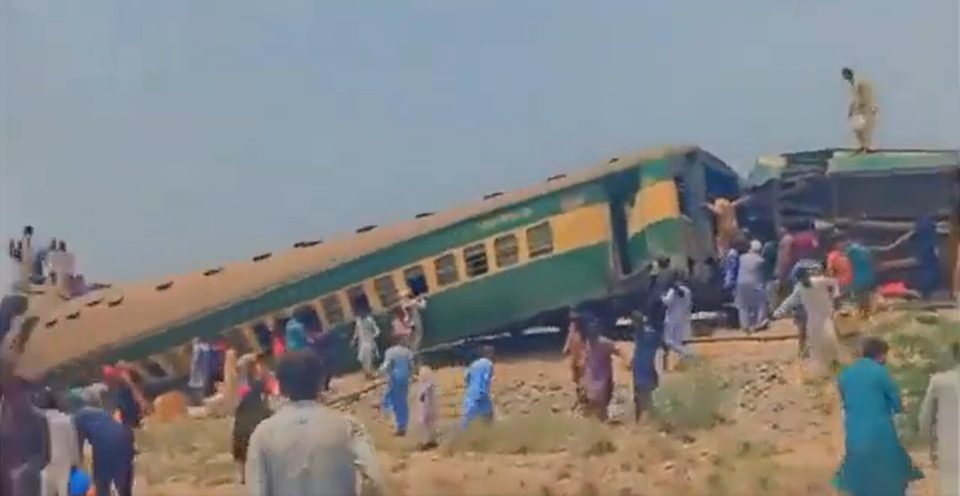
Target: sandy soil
779,433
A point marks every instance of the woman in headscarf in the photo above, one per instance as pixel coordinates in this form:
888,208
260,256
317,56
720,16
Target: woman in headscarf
252,410
599,376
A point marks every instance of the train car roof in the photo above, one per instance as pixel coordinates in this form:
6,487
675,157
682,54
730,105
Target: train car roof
111,317
846,161
893,163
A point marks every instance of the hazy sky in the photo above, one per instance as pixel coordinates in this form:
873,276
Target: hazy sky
164,136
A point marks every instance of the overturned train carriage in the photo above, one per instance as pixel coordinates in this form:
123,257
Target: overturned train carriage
508,262
874,197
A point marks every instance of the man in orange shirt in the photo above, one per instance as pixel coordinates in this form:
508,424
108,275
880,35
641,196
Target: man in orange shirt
838,265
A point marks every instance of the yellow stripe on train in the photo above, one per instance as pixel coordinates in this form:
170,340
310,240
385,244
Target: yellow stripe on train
652,204
582,227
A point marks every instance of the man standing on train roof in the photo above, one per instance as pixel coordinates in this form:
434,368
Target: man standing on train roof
26,258
862,112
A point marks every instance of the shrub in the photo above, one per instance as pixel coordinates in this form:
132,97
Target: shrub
538,432
690,401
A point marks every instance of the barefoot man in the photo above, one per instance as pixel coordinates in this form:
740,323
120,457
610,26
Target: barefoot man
862,112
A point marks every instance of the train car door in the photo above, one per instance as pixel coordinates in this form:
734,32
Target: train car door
621,190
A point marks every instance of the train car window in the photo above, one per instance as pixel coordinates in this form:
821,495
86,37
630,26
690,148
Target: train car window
153,368
416,280
540,240
264,337
307,315
332,309
234,337
475,259
507,250
446,268
683,196
359,303
386,290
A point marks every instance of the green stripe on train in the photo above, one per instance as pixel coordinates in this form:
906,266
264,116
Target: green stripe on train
661,238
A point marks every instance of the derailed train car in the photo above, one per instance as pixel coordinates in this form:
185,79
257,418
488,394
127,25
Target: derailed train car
508,262
873,197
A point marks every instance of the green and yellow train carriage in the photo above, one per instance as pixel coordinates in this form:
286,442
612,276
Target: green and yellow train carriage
510,261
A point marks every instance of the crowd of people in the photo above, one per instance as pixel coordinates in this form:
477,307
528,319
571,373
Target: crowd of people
280,419
804,272
45,264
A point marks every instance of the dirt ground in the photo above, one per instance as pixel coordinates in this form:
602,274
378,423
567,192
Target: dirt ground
775,431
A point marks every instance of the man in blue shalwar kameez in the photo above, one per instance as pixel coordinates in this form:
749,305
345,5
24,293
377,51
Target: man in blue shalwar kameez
646,342
398,365
476,399
875,464
113,450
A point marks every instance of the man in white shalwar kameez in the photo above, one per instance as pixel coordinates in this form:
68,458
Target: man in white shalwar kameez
940,420
64,449
676,324
365,333
817,295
